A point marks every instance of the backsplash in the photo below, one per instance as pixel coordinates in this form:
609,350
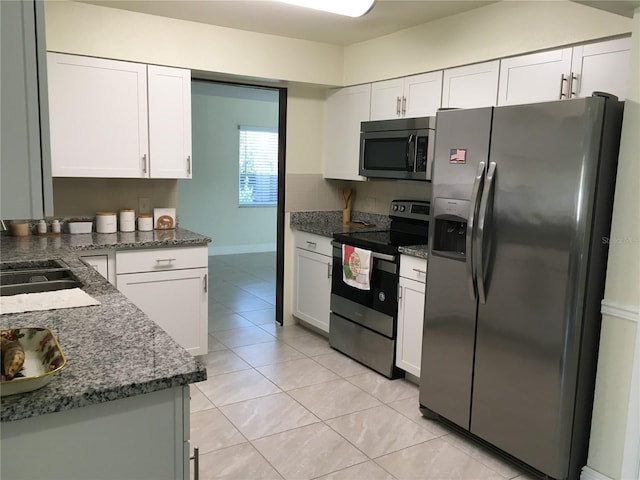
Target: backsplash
311,192
75,197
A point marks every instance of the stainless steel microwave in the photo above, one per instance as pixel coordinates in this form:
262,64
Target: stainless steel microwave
399,149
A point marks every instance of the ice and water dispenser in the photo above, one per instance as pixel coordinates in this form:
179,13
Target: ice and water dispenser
450,227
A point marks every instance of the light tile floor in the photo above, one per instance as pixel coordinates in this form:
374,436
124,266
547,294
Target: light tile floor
279,403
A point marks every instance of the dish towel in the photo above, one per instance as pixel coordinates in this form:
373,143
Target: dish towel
31,302
356,267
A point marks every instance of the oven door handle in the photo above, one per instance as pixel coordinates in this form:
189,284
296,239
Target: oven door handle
379,256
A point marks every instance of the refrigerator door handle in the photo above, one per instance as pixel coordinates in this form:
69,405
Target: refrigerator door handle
484,207
476,193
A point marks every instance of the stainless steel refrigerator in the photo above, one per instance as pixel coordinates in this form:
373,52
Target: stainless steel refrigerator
522,200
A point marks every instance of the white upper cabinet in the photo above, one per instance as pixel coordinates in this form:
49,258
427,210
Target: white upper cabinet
602,66
114,119
471,86
537,77
98,117
413,96
566,73
345,109
169,122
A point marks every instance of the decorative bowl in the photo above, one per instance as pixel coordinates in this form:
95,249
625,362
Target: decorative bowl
43,358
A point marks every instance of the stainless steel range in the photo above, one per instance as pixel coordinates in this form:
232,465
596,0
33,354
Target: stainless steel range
363,322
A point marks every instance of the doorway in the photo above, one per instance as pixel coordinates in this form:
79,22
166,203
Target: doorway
236,196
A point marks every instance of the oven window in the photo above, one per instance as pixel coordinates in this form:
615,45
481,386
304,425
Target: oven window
385,153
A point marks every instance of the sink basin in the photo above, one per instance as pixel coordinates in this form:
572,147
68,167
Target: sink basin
33,277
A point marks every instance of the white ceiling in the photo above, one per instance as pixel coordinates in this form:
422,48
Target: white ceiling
267,16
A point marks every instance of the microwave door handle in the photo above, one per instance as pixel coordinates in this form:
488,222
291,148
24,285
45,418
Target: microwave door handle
411,153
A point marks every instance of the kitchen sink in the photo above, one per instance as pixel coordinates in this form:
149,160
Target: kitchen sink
33,277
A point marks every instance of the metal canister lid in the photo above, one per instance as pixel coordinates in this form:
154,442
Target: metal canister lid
101,214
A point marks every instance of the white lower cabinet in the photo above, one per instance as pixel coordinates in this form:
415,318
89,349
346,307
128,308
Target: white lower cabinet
170,286
144,436
411,294
312,283
104,262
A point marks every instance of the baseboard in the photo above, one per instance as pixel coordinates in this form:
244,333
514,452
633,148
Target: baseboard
591,474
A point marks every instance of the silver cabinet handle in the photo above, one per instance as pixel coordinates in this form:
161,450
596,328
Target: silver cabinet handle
398,106
563,79
399,293
144,163
169,260
196,463
328,269
404,105
311,244
205,282
573,83
417,270
189,165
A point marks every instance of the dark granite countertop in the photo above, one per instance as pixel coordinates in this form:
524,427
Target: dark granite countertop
330,222
113,350
420,251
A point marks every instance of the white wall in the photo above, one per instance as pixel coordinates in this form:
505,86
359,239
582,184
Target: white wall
93,30
208,202
498,30
614,449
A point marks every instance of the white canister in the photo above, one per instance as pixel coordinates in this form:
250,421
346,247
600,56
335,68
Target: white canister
145,223
127,220
106,222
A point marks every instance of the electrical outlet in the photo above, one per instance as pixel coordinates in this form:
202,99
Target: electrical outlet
144,205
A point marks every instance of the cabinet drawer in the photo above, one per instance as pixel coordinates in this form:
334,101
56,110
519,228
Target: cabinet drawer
314,243
414,268
159,259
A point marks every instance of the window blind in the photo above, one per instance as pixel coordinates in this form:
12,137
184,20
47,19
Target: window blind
258,177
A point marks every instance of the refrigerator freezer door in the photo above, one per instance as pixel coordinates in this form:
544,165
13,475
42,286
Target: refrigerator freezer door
462,142
529,330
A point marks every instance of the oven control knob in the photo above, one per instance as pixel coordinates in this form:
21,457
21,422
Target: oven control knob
382,297
402,208
395,208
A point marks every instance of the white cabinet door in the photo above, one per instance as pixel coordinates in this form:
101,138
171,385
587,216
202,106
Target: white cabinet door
471,86
99,263
410,321
98,117
413,96
386,99
169,122
312,288
422,94
143,437
176,300
602,66
536,77
345,110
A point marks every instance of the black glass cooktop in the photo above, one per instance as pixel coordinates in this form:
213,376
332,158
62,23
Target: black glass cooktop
386,241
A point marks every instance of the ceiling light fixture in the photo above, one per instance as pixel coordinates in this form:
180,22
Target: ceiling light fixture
349,8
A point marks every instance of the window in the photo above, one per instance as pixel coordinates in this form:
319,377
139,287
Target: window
258,166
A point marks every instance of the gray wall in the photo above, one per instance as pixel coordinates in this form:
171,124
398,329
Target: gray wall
208,203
